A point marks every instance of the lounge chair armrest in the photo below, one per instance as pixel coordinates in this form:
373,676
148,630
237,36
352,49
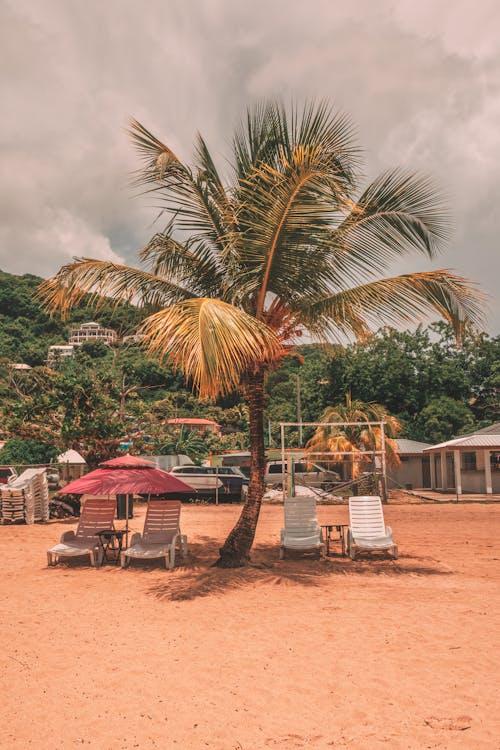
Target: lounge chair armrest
282,535
66,536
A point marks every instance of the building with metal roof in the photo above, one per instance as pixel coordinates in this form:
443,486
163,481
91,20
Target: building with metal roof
413,469
467,464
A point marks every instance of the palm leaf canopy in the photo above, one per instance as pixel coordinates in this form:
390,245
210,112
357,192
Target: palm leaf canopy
286,238
358,435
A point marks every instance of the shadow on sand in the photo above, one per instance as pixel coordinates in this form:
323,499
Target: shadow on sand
197,577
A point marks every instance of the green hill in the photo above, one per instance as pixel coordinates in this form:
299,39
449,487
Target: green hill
26,331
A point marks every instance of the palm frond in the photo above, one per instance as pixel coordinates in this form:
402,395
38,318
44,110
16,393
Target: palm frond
189,264
197,202
398,300
282,211
399,212
157,156
212,342
99,279
255,139
318,125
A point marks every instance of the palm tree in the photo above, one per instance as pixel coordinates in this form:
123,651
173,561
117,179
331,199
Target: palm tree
360,438
281,244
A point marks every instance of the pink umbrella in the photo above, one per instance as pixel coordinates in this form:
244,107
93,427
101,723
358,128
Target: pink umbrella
126,475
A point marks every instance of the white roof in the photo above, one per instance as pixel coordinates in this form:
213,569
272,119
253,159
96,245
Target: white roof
470,441
71,457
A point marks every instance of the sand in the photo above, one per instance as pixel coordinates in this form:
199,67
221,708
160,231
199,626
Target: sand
289,654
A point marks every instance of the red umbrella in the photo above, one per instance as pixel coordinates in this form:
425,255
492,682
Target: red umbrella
126,475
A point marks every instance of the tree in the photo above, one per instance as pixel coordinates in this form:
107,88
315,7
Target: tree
358,438
442,418
187,442
73,407
19,451
287,244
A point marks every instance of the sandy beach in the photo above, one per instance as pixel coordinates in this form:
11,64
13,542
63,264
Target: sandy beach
298,653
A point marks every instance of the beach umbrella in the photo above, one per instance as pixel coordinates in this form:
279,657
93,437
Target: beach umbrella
126,475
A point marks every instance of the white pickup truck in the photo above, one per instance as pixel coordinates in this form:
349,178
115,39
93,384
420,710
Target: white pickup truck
308,475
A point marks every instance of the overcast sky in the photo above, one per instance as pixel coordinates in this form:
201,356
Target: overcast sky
420,79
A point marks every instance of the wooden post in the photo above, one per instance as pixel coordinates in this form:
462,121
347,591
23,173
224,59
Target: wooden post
432,466
299,411
487,472
283,485
290,478
443,469
458,473
382,441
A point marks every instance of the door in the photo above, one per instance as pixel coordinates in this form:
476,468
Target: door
426,471
450,471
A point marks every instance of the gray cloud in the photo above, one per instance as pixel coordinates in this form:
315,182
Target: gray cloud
420,80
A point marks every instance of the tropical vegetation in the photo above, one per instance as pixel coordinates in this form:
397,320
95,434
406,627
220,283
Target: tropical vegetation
348,436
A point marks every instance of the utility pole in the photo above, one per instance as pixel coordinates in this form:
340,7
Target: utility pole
299,411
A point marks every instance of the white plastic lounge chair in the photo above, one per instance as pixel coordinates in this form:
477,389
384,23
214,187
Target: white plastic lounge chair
97,514
161,534
367,531
302,531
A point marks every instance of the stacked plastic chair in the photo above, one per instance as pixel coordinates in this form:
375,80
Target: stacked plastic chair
26,498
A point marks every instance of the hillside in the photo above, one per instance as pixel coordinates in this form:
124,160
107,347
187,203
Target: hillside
26,331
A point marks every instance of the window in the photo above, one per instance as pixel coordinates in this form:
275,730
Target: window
469,461
495,460
274,469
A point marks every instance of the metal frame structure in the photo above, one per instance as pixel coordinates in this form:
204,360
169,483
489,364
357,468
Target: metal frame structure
300,425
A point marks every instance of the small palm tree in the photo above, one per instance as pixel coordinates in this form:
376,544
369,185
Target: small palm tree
187,442
283,243
360,438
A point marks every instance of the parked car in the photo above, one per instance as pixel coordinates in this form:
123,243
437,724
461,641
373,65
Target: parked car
312,476
7,473
53,479
239,460
229,481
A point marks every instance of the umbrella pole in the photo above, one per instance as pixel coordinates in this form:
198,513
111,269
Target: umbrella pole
126,520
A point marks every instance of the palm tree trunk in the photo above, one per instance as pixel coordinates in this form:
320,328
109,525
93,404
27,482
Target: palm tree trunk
235,553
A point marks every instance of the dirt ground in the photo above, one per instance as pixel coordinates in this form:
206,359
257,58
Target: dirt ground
298,653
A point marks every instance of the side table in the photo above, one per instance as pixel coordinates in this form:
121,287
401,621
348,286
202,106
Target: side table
111,544
340,528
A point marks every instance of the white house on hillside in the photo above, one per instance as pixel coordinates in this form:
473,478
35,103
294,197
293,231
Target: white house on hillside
92,332
58,352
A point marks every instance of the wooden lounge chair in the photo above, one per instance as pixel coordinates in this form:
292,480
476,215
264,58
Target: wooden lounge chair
161,535
367,531
97,514
302,531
